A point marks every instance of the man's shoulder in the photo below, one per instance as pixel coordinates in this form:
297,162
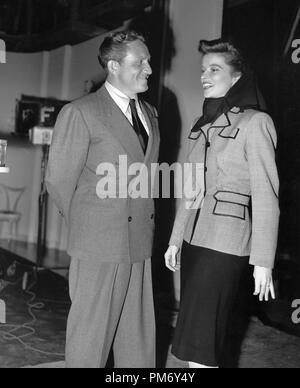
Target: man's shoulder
88,104
85,101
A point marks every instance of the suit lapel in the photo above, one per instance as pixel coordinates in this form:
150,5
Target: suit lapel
225,125
199,140
113,118
227,130
221,122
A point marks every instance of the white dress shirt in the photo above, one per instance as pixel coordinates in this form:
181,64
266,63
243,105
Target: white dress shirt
123,103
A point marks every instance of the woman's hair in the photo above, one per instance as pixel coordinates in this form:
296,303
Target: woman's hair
114,47
233,56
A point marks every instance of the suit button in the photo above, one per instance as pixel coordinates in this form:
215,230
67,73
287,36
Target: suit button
208,144
205,169
129,219
152,216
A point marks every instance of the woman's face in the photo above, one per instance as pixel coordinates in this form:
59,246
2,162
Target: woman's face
217,76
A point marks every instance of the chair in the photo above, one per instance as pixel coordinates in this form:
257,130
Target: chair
9,199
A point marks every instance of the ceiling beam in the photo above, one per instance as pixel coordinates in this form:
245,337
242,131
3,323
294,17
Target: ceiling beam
88,30
235,3
29,21
116,5
17,16
74,11
76,33
75,23
102,9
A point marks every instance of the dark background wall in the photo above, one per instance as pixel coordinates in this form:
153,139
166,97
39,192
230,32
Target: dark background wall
261,28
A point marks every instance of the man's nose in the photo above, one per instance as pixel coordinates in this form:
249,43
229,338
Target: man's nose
148,69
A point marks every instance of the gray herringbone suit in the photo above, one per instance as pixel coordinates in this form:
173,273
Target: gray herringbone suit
110,240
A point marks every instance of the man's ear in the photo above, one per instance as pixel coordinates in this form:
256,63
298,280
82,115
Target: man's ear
113,67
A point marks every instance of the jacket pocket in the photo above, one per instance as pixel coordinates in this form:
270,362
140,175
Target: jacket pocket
231,204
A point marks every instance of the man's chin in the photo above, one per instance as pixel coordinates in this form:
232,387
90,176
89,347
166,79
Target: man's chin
144,89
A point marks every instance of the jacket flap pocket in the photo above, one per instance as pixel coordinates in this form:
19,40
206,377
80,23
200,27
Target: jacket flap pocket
232,197
230,204
227,209
229,133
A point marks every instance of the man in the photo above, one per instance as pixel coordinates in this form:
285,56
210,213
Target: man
110,239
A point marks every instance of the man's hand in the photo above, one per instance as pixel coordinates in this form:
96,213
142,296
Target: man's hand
172,259
263,283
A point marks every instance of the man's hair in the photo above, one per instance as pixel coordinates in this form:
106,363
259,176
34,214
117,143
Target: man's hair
233,56
114,47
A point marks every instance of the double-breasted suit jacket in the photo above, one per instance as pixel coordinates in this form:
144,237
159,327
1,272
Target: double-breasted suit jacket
240,212
91,131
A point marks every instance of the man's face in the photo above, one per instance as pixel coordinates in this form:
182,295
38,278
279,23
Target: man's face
133,71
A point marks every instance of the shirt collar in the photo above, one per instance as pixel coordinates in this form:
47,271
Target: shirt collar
118,96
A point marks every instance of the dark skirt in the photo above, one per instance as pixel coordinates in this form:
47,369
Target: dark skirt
209,286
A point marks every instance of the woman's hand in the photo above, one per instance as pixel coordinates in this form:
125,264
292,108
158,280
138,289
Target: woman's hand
172,259
263,283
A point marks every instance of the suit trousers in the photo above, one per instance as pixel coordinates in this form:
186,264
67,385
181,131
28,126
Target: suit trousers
112,308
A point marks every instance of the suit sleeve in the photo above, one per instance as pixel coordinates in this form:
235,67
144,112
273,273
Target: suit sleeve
67,157
260,151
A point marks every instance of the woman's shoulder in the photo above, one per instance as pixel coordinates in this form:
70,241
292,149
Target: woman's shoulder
259,125
253,117
251,113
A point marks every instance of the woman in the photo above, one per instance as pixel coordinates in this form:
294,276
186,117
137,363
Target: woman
236,218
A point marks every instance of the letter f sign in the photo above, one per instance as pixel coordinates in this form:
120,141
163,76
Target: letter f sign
2,51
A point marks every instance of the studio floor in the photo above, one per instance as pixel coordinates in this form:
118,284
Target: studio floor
34,333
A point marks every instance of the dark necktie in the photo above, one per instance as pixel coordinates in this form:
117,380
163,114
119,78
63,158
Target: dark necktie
138,126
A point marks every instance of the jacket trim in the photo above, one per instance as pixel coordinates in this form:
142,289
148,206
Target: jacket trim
233,198
233,136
